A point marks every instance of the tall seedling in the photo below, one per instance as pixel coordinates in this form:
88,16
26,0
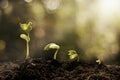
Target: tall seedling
26,27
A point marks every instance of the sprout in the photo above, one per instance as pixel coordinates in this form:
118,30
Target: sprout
73,54
26,28
98,61
52,46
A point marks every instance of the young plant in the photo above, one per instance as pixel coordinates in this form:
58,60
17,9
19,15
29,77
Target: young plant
26,36
73,55
52,46
98,61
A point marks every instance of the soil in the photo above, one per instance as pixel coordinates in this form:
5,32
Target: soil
37,69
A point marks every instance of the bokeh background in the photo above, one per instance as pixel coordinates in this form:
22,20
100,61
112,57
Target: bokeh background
91,27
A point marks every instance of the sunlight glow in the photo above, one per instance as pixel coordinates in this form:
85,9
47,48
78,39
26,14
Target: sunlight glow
108,11
108,8
28,1
52,4
97,27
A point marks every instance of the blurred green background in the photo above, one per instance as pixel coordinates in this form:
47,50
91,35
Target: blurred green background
91,27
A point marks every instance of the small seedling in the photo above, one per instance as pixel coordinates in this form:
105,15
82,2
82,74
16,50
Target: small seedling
26,36
98,61
73,55
52,46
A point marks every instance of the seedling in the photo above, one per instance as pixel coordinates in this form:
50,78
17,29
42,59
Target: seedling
26,36
73,55
52,46
98,61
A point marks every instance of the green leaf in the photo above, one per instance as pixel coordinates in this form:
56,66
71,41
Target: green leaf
51,46
72,54
23,26
25,37
29,26
98,61
26,27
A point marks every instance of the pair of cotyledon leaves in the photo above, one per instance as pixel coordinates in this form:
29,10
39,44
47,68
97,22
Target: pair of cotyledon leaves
26,28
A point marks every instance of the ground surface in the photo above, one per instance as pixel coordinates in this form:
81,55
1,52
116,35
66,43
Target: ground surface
36,69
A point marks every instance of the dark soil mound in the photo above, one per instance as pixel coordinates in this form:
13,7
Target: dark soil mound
36,69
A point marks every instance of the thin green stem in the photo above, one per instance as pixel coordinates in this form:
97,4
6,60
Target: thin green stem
27,47
55,55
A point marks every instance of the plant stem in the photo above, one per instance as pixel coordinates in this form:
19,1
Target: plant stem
55,54
27,47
